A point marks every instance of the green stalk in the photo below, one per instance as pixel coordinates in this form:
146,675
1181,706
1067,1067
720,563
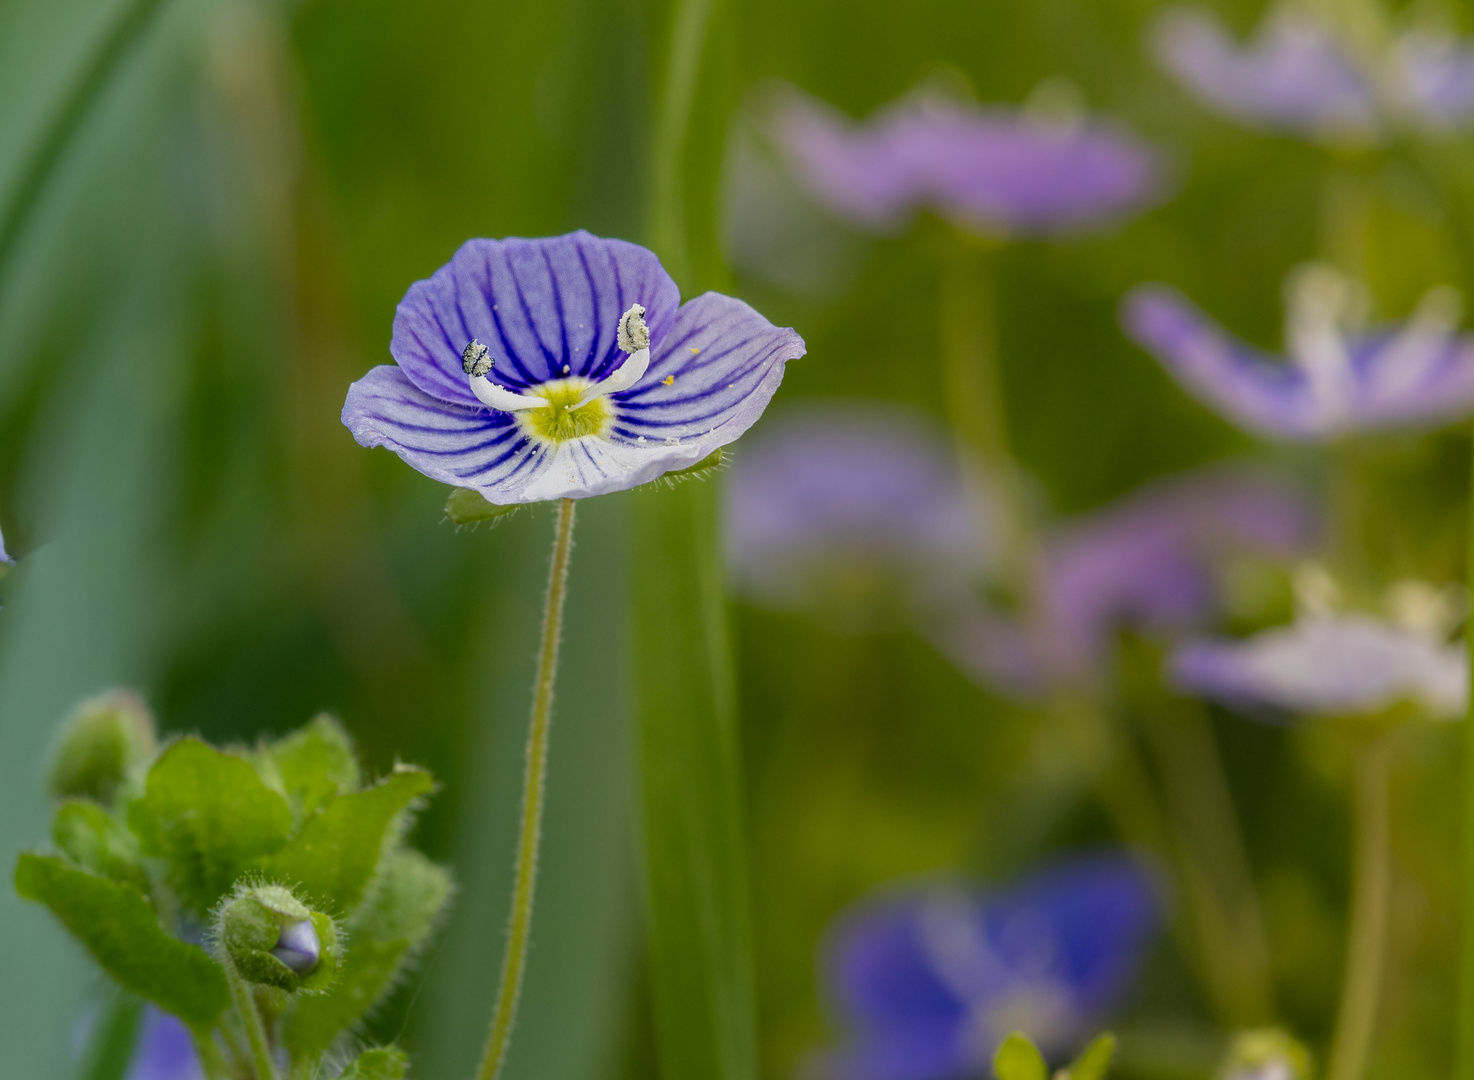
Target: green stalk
245,1003
534,780
1465,1014
688,43
1366,943
211,1060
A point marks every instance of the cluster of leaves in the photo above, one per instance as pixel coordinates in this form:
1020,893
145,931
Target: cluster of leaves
1019,1059
152,843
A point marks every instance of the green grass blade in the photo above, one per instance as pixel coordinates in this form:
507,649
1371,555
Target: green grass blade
695,862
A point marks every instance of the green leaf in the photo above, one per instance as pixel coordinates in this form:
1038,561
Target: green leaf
1018,1059
466,507
1095,1061
211,816
92,838
384,933
388,1063
119,928
315,763
696,871
332,859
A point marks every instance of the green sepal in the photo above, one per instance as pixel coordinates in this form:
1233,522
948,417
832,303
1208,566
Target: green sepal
313,764
1019,1059
92,838
385,1063
118,926
250,925
333,858
467,507
1094,1061
396,917
700,471
210,815
103,744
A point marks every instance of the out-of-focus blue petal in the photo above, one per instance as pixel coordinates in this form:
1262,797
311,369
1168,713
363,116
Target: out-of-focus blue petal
989,169
545,308
1438,76
927,982
1294,76
1390,385
165,1050
1329,666
837,490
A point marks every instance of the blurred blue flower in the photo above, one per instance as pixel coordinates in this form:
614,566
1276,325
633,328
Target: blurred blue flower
565,367
1151,562
927,983
1301,74
1340,377
5,560
1330,665
165,1050
991,170
837,501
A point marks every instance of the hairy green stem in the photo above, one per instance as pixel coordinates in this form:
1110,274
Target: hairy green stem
524,884
1366,942
245,1003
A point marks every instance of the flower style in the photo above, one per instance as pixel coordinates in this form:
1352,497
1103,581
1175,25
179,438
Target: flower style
1150,562
567,367
1340,377
1331,665
164,1050
991,170
1300,75
927,983
843,494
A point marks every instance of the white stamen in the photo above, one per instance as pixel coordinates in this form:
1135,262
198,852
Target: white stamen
499,397
633,338
1405,360
1321,305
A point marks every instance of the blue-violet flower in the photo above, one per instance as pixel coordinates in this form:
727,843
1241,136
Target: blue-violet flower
565,367
838,498
1340,377
988,169
1302,75
928,982
1151,561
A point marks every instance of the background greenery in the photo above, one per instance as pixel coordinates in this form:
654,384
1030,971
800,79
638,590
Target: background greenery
195,265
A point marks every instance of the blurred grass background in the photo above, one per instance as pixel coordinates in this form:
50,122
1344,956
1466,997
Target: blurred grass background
216,252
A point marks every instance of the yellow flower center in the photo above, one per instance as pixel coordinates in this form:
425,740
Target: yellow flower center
556,422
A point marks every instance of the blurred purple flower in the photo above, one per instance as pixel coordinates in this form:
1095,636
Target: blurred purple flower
987,169
1148,562
1328,665
5,560
928,983
165,1050
564,367
1299,74
840,495
1339,378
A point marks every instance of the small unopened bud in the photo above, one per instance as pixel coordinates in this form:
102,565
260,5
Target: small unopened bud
476,360
105,741
272,938
634,335
1265,1054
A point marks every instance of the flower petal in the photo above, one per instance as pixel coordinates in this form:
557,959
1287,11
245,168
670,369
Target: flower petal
544,308
1240,382
467,446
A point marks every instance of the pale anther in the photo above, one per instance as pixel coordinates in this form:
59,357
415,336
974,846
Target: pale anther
476,360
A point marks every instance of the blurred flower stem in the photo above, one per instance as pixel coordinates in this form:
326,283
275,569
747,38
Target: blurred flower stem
1366,942
533,785
1191,822
245,1004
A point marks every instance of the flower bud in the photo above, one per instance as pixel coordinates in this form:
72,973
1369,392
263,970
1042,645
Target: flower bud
1265,1054
103,742
273,939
